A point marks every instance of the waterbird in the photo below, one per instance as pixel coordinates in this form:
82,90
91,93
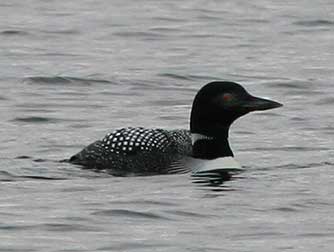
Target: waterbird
203,148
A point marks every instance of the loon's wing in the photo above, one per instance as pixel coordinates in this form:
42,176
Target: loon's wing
137,151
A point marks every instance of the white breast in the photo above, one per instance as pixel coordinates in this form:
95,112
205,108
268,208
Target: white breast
204,165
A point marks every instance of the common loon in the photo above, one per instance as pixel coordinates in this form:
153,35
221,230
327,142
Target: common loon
141,151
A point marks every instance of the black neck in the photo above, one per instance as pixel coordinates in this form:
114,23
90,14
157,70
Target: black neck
212,121
212,147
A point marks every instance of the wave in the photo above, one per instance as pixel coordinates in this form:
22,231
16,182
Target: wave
14,33
128,213
314,23
64,80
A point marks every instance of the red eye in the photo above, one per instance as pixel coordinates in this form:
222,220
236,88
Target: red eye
227,97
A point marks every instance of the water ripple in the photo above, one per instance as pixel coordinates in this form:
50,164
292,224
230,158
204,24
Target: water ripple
60,227
136,246
287,148
140,34
7,227
325,101
189,77
14,33
290,85
36,119
188,214
314,234
9,177
6,176
63,80
129,214
286,209
146,202
314,23
176,76
303,166
64,32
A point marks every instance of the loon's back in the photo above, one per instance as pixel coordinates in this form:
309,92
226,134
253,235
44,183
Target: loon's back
137,151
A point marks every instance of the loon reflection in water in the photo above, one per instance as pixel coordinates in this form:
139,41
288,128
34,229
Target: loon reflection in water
203,148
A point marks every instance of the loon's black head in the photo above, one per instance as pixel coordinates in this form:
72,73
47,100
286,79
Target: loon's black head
218,104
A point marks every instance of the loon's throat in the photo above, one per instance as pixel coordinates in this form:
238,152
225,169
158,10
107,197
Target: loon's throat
210,147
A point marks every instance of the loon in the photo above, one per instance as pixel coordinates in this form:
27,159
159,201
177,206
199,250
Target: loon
143,151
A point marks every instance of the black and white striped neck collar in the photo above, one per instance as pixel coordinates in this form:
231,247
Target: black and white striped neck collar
210,147
196,136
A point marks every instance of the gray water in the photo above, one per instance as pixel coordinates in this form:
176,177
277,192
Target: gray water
71,71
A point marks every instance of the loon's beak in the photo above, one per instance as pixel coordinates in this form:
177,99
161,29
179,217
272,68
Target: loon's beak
257,103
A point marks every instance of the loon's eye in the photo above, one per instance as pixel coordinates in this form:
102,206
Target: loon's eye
227,97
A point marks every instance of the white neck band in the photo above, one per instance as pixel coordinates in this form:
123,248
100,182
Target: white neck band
196,136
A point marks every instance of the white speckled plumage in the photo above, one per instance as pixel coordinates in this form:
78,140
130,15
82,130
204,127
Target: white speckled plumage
137,150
